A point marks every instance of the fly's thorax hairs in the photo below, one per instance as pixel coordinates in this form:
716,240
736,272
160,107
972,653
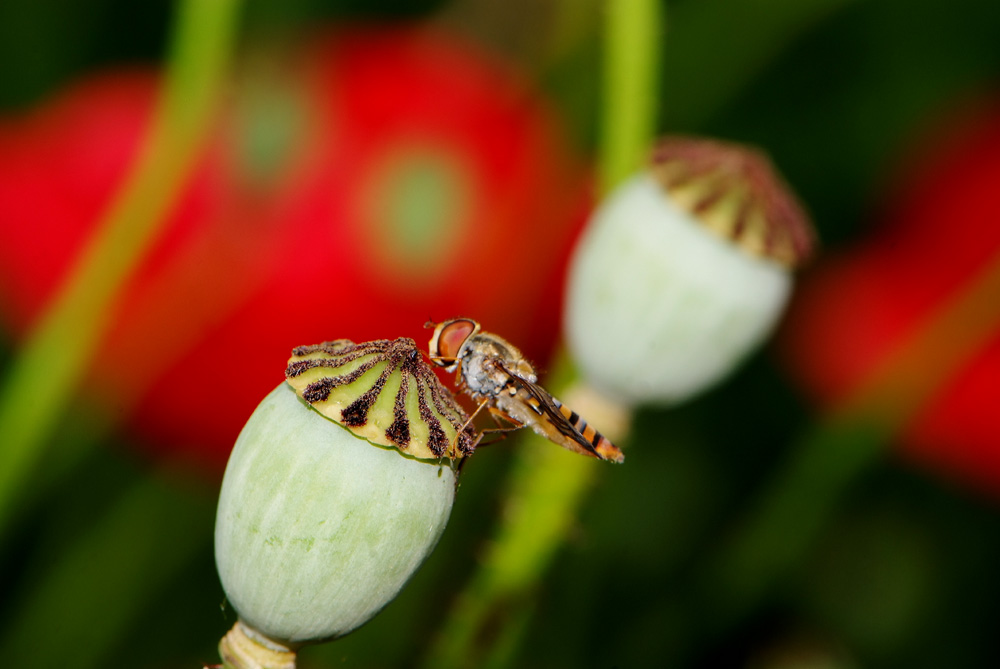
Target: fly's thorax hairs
506,353
481,374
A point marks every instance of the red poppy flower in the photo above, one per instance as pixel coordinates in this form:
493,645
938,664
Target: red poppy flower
941,230
376,178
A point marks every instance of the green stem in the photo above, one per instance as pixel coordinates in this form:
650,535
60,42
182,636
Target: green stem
548,485
632,42
794,508
544,490
48,368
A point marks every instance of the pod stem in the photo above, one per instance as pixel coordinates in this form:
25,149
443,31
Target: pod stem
548,485
791,511
49,366
244,648
632,42
544,492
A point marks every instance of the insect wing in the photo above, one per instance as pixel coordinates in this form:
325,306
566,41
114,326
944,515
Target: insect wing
564,426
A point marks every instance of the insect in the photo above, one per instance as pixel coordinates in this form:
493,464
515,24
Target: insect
498,377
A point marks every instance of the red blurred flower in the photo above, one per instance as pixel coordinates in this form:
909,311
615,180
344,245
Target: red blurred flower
941,231
371,180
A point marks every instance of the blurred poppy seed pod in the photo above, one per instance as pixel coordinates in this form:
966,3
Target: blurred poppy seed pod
338,488
682,271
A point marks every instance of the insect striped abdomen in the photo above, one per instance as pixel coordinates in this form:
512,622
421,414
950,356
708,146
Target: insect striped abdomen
562,425
602,445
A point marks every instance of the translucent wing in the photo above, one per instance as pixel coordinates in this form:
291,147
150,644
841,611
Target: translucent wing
562,425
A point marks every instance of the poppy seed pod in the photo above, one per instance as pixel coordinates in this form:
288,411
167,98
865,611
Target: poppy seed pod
338,488
682,271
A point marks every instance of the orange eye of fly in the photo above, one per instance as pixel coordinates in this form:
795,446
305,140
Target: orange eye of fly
448,339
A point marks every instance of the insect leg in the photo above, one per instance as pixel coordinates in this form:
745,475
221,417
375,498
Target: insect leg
466,424
473,416
497,413
500,431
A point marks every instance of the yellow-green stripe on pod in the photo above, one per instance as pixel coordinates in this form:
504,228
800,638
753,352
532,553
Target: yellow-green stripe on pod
383,391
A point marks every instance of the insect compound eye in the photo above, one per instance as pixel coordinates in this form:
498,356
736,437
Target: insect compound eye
448,339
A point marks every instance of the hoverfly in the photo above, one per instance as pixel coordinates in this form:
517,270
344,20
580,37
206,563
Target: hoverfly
498,377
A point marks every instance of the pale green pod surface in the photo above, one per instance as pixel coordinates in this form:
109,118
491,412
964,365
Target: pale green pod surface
318,529
682,271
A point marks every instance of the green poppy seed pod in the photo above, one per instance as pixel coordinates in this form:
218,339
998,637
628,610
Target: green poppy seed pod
338,488
682,271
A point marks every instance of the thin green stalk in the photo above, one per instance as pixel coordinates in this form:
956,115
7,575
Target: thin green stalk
48,368
544,490
804,493
547,485
632,47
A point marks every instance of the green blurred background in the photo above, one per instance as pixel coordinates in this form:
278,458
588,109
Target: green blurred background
901,574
